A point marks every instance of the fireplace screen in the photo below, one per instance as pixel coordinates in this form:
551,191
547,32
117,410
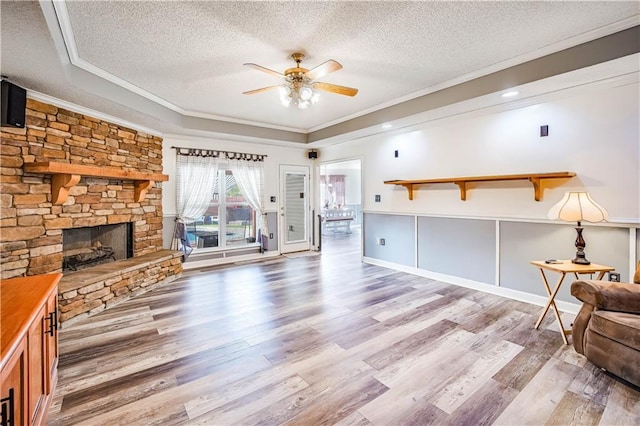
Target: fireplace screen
85,247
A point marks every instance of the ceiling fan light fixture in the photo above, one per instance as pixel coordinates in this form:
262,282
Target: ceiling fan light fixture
306,93
285,95
302,96
285,102
285,91
301,87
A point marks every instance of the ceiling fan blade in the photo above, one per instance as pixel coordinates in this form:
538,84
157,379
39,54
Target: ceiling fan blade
323,69
263,89
263,69
334,88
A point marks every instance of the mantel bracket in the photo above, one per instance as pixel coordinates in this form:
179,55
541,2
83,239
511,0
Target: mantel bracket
60,185
141,187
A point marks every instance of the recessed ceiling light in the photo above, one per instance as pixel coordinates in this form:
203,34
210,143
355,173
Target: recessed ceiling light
386,126
510,94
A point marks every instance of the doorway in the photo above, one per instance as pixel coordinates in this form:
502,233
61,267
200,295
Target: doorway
340,201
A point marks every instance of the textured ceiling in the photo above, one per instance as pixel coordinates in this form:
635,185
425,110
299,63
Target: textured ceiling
188,55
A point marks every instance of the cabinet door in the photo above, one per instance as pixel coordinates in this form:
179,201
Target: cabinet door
14,386
37,357
51,333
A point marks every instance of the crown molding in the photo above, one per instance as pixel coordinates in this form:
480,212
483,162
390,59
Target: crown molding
547,50
69,51
66,30
219,137
534,93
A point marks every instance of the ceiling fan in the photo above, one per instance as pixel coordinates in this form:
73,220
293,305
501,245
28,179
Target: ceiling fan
300,82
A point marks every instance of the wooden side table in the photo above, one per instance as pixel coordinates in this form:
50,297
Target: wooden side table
564,267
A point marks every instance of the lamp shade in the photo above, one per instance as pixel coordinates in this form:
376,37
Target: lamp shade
576,207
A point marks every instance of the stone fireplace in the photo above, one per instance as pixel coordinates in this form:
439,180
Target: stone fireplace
97,174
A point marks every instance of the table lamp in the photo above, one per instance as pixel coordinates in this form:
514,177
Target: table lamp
576,207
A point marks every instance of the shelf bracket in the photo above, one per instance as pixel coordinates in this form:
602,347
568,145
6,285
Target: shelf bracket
60,184
463,189
537,188
409,187
141,187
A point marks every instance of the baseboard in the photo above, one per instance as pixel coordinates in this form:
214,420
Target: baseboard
534,299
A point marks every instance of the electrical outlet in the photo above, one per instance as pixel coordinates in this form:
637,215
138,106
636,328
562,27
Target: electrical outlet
271,235
614,277
377,198
273,199
380,241
395,154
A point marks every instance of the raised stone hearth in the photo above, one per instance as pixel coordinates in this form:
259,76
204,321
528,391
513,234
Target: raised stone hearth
91,290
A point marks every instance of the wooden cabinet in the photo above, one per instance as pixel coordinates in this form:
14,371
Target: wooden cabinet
37,352
51,340
29,348
13,388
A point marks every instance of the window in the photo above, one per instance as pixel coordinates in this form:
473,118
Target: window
333,191
219,199
228,222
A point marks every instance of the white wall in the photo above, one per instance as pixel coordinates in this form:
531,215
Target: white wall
353,187
594,131
276,155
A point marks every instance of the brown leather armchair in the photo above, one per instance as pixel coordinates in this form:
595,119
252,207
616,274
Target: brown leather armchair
607,328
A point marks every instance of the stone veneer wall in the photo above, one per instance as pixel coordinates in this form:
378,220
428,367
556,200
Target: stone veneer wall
31,227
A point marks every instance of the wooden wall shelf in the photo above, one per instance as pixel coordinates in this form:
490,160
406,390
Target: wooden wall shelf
535,178
66,176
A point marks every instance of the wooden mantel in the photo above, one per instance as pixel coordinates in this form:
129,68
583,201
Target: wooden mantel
66,176
534,178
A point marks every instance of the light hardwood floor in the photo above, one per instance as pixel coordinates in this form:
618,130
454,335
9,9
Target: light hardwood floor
327,339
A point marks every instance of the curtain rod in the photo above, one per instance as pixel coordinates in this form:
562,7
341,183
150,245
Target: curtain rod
229,155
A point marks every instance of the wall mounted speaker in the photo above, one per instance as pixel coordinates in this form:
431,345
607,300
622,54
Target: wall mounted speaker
313,154
14,104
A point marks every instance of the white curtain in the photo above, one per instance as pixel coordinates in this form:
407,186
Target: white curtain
249,176
195,182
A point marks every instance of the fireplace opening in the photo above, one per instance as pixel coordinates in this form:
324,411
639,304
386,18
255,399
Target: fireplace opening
95,245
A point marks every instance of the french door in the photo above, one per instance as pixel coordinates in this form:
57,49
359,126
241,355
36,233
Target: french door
294,208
